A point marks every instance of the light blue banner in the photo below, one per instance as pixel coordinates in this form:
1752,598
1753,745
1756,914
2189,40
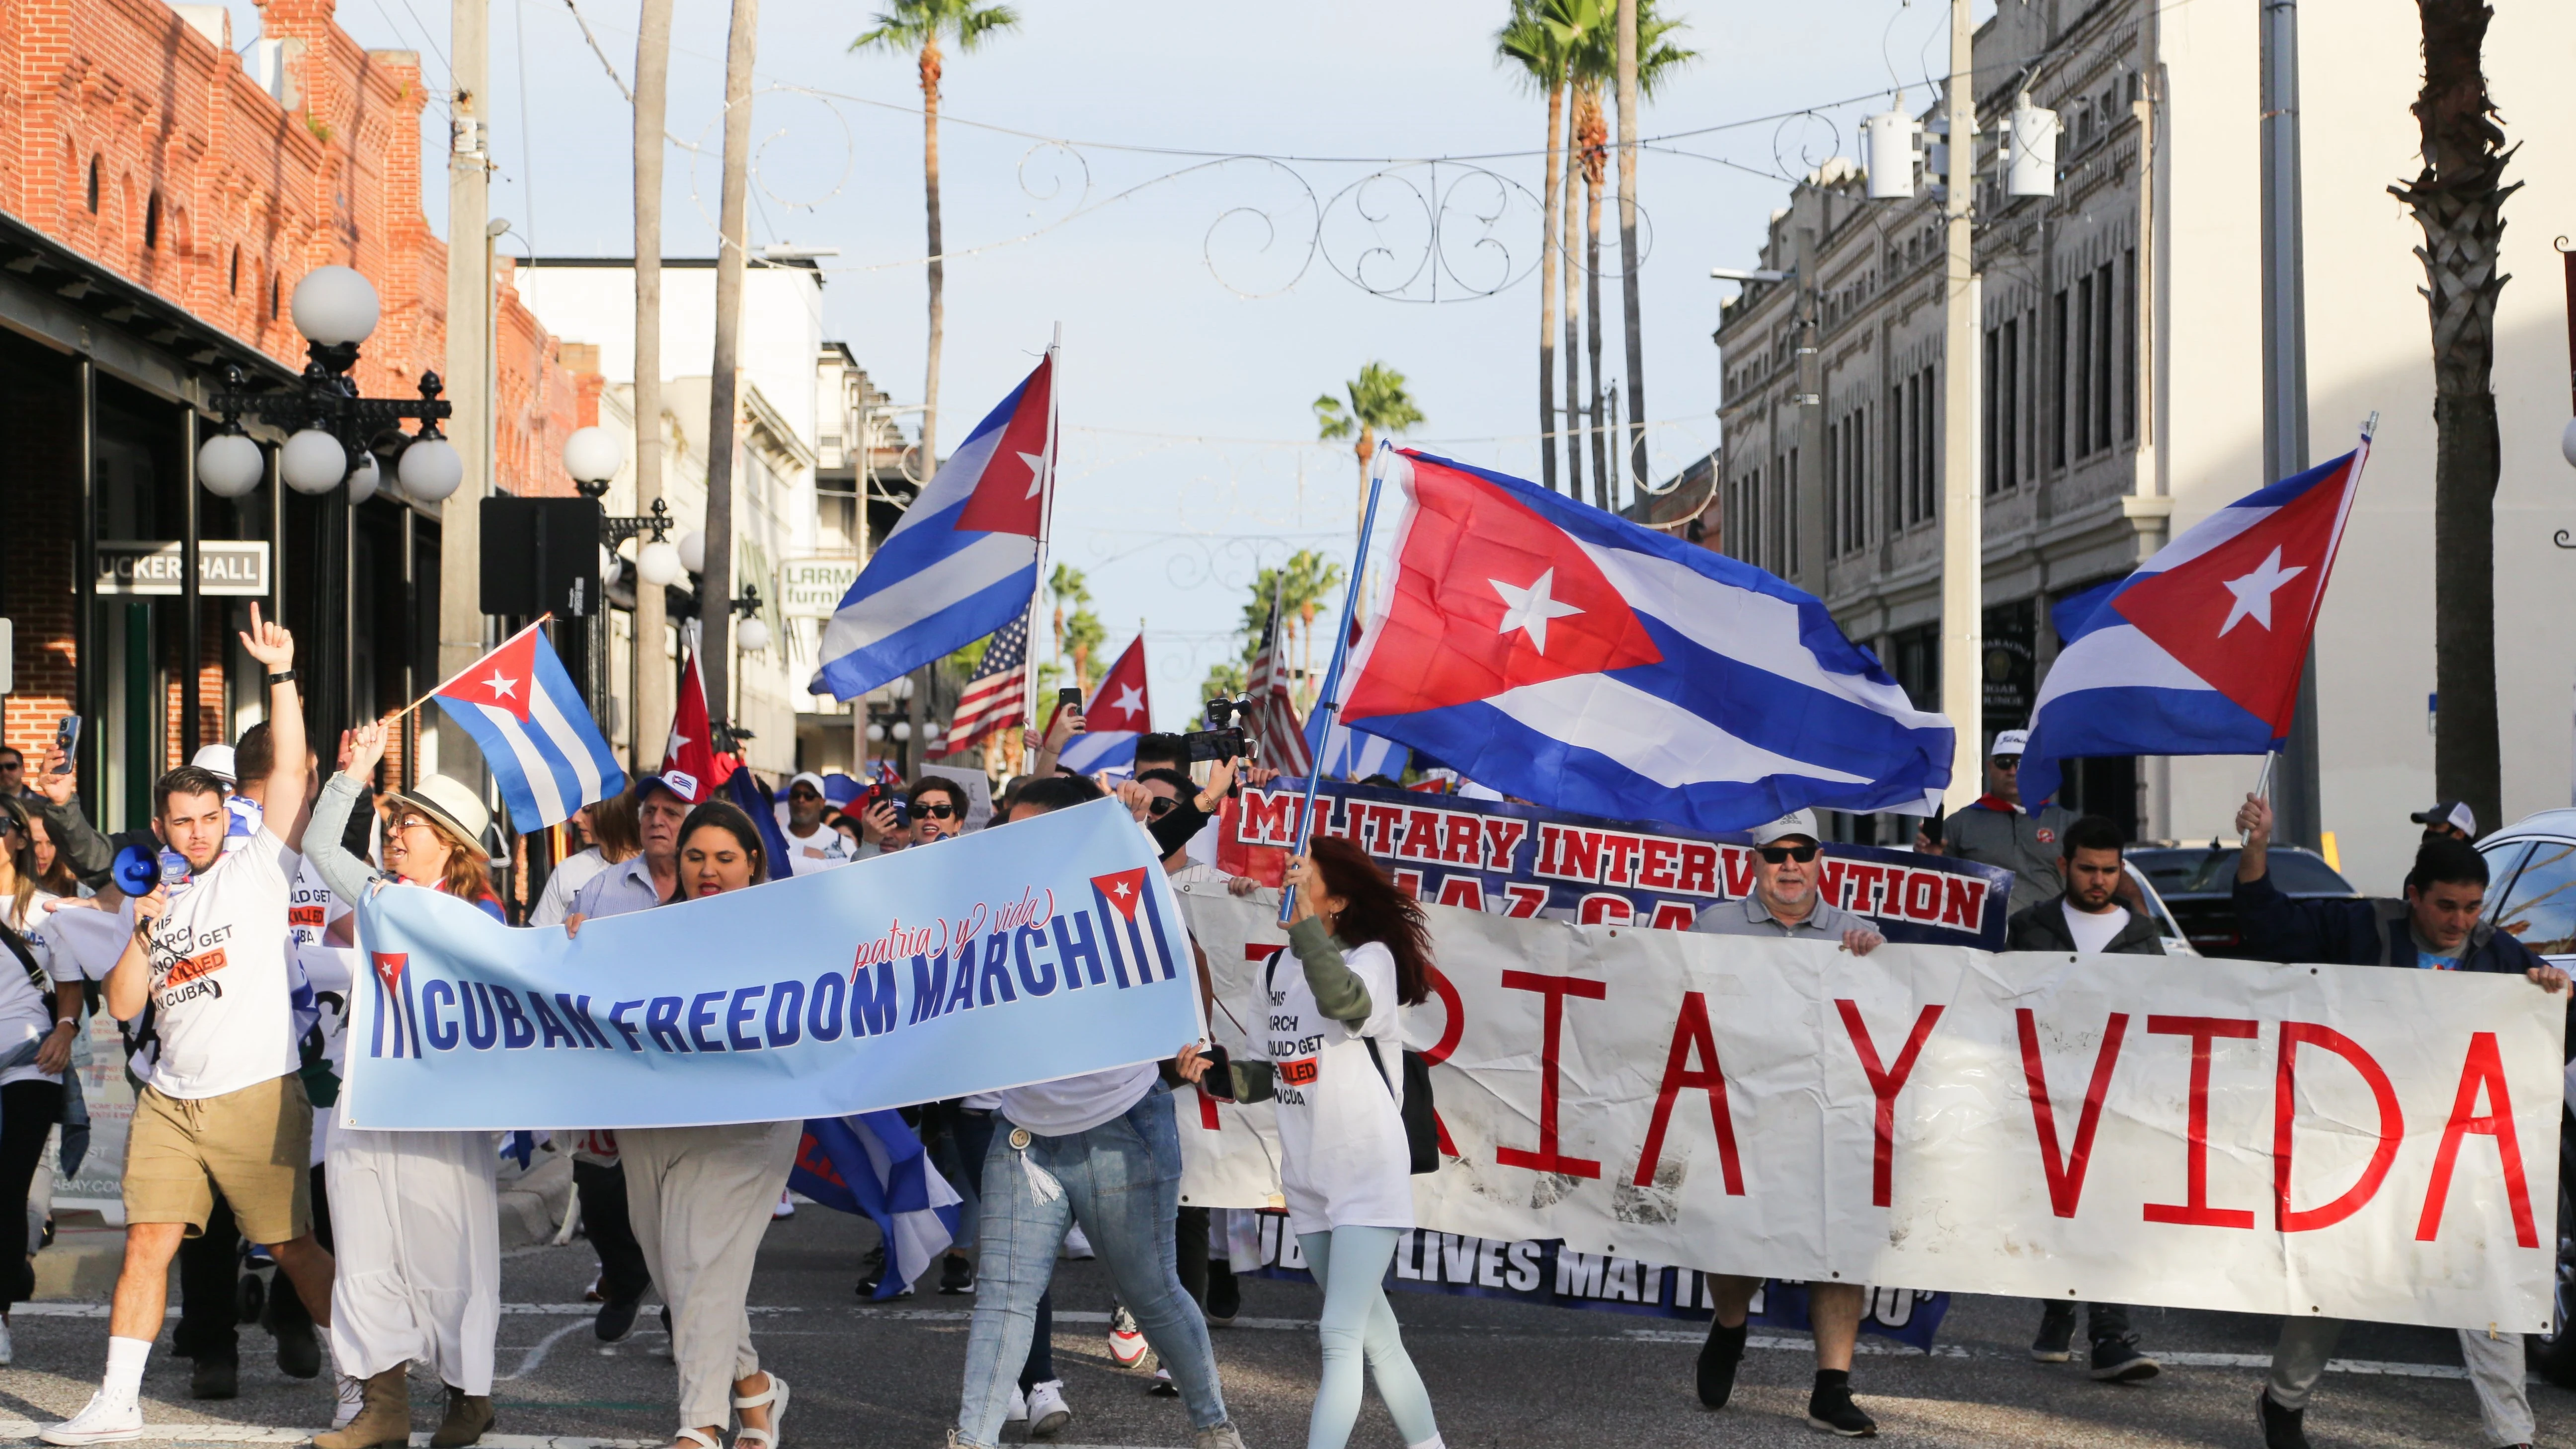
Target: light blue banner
1046,950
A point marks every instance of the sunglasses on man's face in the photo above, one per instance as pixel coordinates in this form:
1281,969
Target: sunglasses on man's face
1160,806
1783,854
803,796
936,810
2007,762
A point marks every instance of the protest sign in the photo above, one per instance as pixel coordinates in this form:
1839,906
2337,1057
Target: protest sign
1523,861
2355,1142
1046,950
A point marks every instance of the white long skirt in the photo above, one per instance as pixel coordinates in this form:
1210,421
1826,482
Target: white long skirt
416,1227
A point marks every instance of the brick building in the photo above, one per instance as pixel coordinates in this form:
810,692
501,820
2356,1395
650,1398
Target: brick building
158,203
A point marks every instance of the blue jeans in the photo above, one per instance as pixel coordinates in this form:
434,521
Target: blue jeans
974,1138
1122,1181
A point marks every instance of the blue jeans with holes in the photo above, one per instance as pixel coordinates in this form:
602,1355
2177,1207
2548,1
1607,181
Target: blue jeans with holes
1122,1181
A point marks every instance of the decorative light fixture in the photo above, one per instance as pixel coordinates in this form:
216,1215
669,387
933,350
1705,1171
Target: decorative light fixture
693,551
337,435
902,730
658,563
754,633
593,455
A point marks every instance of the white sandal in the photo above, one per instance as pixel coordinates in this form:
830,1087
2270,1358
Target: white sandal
775,1397
699,1436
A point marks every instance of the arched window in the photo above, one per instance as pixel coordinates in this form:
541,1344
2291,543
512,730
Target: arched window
232,282
93,186
152,221
272,296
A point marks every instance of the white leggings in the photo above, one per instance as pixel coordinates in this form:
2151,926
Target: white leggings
1351,1263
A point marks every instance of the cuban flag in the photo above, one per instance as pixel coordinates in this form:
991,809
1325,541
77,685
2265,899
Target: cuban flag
535,732
873,1165
1349,754
2199,651
1567,656
1116,718
964,560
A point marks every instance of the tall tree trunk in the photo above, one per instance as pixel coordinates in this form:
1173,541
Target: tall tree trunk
715,584
651,727
1548,283
1366,446
1565,252
1628,242
1593,157
938,269
2458,201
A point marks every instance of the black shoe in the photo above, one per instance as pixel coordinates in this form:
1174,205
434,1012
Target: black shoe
666,1321
616,1319
214,1378
957,1275
2282,1428
2118,1361
2056,1341
1717,1361
299,1356
1224,1300
1832,1410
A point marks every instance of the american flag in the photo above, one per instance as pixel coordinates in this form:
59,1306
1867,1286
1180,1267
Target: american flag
994,698
1274,707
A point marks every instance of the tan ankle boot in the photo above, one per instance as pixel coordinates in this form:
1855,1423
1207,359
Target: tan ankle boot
385,1421
468,1415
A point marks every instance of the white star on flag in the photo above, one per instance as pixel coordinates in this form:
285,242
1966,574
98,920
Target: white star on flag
1529,609
1037,472
1129,701
2254,592
502,686
1120,890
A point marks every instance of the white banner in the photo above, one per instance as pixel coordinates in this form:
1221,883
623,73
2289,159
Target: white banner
2356,1142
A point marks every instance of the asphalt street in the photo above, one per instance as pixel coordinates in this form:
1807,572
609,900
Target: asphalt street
1500,1374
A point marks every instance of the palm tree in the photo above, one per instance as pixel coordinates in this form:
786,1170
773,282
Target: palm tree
1624,67
1081,632
917,26
653,684
1378,403
1304,585
2458,199
1594,64
1538,38
724,376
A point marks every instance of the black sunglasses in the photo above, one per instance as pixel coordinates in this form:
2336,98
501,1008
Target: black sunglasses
1782,854
1160,806
940,811
2007,762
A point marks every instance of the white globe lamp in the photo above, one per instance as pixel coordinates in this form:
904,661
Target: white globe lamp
902,730
431,469
593,455
230,465
313,462
610,565
333,305
693,551
2567,443
364,479
876,734
658,564
754,634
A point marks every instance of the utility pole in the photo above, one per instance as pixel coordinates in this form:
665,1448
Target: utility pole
469,362
2285,376
1963,525
651,728
715,583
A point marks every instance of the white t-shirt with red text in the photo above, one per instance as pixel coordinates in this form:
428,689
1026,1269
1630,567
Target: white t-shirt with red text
220,988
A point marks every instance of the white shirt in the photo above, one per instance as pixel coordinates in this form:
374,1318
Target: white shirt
220,992
2092,932
576,871
26,1011
1069,1105
1343,1158
821,850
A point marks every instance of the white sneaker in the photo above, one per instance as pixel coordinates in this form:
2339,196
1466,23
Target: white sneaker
1076,1246
1048,1411
352,1394
786,1206
1018,1412
101,1421
1126,1340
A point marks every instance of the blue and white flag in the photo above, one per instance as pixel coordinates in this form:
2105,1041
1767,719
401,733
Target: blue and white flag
1006,957
964,560
872,1164
1564,655
1349,754
534,729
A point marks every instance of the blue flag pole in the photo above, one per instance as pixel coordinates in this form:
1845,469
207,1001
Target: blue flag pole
1331,703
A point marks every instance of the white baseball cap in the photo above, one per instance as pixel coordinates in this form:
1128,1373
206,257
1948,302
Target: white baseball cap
216,760
807,777
2010,742
1796,822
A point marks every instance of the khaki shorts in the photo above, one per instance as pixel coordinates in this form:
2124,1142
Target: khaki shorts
254,1146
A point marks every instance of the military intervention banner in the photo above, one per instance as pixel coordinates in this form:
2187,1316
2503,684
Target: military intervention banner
1004,957
2356,1142
1524,861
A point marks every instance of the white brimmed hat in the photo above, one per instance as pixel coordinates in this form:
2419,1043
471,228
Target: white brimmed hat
451,803
2010,742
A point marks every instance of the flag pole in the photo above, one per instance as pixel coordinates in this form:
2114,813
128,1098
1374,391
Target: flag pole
541,622
1037,585
1331,702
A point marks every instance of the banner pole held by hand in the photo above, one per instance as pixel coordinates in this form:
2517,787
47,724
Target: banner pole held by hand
1331,703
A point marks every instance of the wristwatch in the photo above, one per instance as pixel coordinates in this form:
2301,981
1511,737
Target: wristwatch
283,676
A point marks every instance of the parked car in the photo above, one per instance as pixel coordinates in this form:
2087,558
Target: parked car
2168,930
2198,883
2531,883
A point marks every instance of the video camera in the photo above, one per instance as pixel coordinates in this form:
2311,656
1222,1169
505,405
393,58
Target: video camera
1224,737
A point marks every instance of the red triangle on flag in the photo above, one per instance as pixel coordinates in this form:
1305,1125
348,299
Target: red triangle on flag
689,752
389,969
1010,494
506,678
1121,703
1122,889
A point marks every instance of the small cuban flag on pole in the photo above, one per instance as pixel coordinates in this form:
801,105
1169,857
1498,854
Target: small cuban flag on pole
534,730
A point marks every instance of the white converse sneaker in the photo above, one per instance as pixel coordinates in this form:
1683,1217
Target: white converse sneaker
1048,1411
1018,1412
1077,1248
101,1421
352,1398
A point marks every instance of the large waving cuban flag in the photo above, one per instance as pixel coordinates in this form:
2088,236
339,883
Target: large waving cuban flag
2198,652
963,562
874,1166
1564,655
534,731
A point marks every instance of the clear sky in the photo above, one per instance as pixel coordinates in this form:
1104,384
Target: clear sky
1203,304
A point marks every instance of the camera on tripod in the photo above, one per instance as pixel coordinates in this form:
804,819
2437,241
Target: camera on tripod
1224,737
